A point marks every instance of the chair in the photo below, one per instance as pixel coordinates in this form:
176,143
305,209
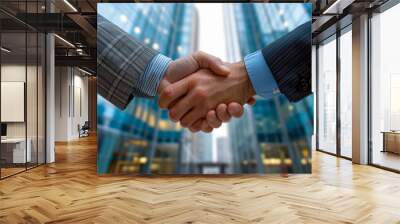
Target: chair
84,130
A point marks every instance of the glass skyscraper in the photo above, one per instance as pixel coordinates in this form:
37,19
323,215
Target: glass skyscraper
142,139
274,135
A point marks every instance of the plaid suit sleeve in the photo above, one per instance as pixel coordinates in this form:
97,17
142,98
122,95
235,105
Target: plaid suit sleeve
121,60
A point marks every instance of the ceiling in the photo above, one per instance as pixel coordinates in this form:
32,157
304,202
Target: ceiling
75,22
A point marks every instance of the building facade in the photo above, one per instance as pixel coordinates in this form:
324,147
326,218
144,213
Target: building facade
142,139
274,135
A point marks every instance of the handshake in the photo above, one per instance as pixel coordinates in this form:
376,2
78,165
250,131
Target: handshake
200,91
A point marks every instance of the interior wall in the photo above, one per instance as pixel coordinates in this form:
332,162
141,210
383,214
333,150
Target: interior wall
71,102
80,109
33,126
61,103
17,73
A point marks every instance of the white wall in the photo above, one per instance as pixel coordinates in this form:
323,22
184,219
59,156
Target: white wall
70,83
33,126
81,84
61,103
16,73
11,73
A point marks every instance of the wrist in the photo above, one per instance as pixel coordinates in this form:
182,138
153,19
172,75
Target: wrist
152,81
248,86
163,84
164,81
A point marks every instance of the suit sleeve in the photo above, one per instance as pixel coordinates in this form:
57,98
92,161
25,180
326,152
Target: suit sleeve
121,60
289,59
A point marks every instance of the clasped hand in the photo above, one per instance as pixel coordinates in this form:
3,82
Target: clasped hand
201,91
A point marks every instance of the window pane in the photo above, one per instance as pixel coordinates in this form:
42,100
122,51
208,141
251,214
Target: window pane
13,86
327,96
385,89
345,94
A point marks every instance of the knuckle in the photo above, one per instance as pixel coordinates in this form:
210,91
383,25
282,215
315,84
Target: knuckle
184,123
167,93
173,114
202,113
213,124
196,126
199,53
224,116
192,82
221,111
209,104
207,130
200,93
210,116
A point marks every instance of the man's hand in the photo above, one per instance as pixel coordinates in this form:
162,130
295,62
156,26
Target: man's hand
223,113
190,99
185,66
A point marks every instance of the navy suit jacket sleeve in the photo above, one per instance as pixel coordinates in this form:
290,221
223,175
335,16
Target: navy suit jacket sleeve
289,59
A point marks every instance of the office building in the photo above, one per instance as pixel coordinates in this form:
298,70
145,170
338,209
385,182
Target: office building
224,150
276,134
49,104
196,151
142,138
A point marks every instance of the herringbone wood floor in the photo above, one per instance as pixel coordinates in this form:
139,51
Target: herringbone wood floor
69,191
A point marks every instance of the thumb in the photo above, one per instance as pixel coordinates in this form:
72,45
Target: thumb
211,62
173,92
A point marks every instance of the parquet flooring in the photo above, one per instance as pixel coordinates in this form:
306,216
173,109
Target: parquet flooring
69,191
10,171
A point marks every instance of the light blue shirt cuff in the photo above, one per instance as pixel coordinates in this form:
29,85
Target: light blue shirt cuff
153,74
260,75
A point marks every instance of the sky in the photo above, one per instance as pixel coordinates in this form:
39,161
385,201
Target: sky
212,41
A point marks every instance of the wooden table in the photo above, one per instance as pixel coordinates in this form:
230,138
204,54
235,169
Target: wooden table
391,141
